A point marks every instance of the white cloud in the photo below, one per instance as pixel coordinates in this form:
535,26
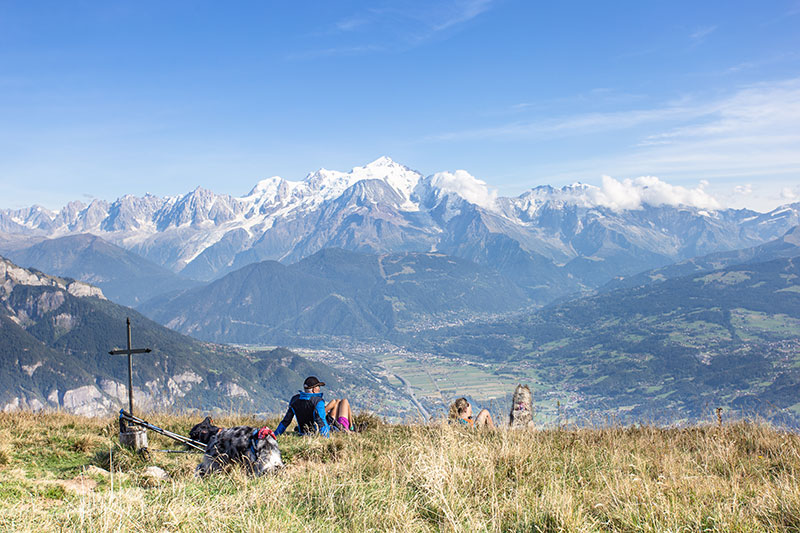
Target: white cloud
392,27
743,189
647,190
789,195
351,23
461,11
699,35
762,108
576,124
749,134
770,109
466,186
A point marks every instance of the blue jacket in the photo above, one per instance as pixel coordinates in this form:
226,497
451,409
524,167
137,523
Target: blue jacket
309,409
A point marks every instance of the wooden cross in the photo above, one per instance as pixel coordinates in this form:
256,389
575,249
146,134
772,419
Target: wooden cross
130,352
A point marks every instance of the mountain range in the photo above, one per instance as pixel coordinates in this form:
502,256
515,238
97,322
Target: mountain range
123,276
635,299
56,333
550,241
786,246
338,293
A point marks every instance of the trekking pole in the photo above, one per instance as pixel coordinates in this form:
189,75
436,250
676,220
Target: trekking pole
127,417
175,451
180,438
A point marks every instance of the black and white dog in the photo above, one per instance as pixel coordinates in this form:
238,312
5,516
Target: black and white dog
521,415
255,448
203,431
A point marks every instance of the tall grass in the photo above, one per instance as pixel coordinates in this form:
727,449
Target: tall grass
737,477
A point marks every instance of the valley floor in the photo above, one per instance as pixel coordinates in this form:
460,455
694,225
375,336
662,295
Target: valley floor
737,477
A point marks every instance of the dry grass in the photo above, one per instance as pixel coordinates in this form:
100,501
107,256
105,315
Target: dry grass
740,477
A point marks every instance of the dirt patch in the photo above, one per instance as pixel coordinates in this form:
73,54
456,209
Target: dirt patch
80,485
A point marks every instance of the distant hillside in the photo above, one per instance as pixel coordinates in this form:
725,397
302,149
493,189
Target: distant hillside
786,246
670,351
126,278
55,335
335,293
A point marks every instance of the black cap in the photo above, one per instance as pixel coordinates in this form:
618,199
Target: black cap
311,382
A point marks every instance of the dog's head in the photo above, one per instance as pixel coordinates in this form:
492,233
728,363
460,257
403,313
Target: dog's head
203,431
522,397
268,455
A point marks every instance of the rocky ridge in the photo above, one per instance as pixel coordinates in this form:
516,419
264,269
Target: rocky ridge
55,335
550,240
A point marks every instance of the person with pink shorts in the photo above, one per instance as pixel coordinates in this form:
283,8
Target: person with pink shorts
339,415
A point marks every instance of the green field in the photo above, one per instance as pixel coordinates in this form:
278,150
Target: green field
753,323
438,381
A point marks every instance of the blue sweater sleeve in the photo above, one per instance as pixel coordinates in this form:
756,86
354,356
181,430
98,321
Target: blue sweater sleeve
285,422
322,423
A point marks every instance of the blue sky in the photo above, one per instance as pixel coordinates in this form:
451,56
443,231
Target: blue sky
100,99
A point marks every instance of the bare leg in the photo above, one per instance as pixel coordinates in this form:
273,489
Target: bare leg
343,410
330,408
484,419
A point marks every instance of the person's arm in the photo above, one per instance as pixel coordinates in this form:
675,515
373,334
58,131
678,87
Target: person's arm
286,421
319,415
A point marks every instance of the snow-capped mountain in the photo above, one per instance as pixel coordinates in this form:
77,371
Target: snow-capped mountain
551,240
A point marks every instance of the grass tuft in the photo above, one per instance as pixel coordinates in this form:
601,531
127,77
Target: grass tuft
5,452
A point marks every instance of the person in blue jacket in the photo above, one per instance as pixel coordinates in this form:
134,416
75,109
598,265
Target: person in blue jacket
309,409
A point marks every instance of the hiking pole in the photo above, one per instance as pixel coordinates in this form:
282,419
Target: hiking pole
174,436
176,451
180,438
127,417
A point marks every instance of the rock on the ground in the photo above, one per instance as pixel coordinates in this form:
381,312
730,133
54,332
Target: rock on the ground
94,469
155,472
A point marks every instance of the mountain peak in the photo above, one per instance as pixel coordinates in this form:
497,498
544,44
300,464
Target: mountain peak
399,177
383,161
266,186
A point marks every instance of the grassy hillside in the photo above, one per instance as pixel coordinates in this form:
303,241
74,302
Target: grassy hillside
737,477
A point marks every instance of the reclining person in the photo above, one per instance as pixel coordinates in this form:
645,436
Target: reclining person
309,409
461,412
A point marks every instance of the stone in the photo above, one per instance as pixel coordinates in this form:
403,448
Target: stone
80,486
92,470
155,472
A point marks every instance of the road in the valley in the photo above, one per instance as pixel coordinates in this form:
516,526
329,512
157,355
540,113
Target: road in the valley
410,393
